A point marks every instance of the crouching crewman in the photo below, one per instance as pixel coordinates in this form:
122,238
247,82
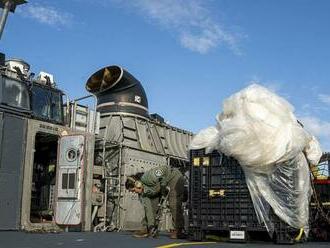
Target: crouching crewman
150,186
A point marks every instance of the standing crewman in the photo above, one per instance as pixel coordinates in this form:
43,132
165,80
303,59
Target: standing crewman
150,186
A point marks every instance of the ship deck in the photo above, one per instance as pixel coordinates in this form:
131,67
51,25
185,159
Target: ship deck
119,240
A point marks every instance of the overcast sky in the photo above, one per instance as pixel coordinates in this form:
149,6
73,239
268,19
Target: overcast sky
189,54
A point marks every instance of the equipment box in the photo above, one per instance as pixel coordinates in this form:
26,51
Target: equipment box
320,203
220,202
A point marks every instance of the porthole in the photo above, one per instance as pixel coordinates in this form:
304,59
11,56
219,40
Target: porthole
71,155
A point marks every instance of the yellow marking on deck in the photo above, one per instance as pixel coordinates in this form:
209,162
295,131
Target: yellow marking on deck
184,244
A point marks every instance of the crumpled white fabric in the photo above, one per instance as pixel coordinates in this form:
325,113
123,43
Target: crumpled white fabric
206,138
313,151
258,128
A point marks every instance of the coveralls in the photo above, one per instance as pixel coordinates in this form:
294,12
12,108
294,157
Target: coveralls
153,181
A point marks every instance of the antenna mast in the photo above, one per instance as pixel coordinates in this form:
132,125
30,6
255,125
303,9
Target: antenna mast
8,5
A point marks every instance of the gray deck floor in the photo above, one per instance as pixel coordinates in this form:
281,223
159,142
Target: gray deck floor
115,240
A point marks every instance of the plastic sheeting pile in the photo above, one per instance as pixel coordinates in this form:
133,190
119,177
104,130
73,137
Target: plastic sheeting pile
258,128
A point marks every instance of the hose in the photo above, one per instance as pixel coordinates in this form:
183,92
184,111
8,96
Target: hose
301,231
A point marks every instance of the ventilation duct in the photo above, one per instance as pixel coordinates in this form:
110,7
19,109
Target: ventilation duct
118,91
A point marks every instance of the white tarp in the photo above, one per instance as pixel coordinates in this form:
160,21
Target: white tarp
258,128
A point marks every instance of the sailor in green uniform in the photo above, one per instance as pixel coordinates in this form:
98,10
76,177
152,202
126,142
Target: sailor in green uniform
150,186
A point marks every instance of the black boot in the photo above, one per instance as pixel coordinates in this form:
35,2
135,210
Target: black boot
177,234
143,233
